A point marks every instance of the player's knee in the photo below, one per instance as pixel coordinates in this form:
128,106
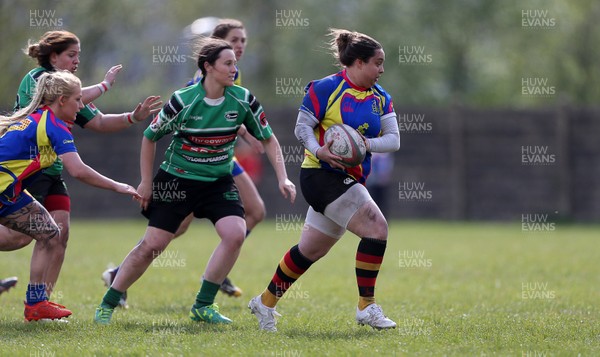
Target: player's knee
256,215
238,240
379,229
234,240
63,236
369,227
314,253
152,249
49,234
373,225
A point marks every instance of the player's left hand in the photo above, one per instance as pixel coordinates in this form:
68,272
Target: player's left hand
145,191
287,187
151,105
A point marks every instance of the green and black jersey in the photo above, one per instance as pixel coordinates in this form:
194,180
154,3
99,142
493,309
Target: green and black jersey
205,130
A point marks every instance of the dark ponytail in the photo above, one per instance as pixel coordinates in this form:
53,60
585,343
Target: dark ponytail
348,46
51,42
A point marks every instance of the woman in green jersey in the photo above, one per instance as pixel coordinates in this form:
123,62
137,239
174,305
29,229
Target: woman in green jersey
195,176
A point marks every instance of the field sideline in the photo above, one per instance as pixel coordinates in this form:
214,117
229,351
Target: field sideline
453,288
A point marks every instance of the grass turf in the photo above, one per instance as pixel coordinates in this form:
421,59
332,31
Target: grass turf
453,288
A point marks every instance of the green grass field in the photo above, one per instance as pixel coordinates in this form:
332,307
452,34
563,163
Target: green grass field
453,288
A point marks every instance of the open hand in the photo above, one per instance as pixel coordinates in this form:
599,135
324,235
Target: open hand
286,188
151,105
128,190
111,75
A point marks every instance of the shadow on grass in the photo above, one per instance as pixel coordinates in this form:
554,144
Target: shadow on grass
174,310
333,333
167,309
172,327
16,328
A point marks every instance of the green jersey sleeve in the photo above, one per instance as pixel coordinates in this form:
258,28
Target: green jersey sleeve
86,114
167,119
256,120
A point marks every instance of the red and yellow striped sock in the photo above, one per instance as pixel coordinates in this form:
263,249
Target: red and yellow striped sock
369,256
290,268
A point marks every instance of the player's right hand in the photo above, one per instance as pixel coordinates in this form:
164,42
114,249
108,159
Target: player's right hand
150,106
324,154
128,190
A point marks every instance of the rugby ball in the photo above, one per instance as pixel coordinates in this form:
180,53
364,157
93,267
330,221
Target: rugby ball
347,144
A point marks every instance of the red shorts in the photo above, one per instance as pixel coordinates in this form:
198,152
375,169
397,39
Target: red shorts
51,192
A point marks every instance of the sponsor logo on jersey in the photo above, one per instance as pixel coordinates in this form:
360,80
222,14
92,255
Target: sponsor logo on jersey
22,125
263,119
363,128
348,181
347,107
154,127
375,106
212,140
71,141
231,115
205,160
231,196
195,117
202,150
156,123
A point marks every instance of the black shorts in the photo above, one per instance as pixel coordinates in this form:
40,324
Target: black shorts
174,198
51,192
320,187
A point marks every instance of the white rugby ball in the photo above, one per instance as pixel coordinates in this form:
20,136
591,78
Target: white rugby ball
347,144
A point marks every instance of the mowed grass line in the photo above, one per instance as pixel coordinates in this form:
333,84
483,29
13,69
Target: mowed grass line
453,288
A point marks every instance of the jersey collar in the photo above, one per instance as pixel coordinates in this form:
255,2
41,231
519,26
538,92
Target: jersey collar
345,75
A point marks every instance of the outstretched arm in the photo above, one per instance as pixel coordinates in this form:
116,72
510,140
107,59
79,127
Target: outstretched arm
106,123
93,92
276,158
79,170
